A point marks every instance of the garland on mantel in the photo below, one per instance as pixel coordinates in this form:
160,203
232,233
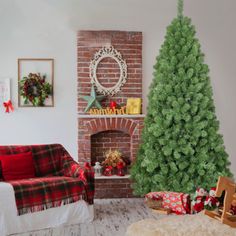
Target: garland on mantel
108,111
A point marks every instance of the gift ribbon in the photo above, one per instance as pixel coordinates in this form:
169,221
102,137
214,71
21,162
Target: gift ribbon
8,106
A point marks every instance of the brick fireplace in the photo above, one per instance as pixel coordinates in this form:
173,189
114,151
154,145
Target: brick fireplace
99,133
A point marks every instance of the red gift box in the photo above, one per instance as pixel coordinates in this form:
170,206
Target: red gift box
178,203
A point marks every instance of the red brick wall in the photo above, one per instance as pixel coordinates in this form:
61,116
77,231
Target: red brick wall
129,44
113,188
97,134
110,69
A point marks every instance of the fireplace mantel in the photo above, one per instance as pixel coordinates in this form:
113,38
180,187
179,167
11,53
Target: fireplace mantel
111,116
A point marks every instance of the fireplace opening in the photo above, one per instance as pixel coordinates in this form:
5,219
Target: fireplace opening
110,140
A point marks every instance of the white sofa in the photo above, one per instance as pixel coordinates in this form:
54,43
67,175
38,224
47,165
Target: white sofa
78,211
11,223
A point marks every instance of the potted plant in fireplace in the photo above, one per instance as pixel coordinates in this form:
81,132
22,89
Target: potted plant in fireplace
113,161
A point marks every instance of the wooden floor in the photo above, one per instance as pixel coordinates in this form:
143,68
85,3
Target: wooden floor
112,217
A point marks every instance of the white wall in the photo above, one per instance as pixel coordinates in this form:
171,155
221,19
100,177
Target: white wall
47,28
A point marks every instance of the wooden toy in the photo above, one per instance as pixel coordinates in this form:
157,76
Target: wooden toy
224,215
162,210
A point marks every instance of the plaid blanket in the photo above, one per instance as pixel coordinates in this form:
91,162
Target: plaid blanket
60,180
47,158
85,173
38,194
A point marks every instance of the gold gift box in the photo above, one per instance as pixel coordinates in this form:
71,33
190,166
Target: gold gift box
133,106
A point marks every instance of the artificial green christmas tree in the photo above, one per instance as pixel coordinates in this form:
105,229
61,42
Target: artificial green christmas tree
181,148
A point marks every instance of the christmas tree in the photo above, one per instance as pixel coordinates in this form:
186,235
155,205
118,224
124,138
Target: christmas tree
181,146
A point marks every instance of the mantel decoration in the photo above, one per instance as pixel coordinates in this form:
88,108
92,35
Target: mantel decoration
107,111
114,54
35,82
133,106
93,99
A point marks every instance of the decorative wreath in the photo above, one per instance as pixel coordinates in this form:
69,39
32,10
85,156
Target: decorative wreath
34,89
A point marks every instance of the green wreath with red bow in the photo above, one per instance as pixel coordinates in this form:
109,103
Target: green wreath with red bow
35,89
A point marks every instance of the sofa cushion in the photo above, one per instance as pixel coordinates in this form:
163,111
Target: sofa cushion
9,150
17,166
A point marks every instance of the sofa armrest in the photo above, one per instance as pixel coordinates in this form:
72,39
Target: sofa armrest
84,173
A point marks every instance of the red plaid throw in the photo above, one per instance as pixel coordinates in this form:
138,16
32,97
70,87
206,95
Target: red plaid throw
86,174
47,158
42,193
60,179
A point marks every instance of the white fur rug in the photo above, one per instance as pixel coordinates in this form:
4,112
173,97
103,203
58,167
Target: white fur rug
194,225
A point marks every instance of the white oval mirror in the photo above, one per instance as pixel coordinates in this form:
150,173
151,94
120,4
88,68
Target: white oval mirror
104,53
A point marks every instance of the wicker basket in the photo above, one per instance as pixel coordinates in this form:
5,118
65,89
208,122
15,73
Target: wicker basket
154,204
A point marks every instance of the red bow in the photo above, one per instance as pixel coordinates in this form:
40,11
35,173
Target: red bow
9,107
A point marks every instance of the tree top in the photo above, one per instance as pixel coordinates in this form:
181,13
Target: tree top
180,8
